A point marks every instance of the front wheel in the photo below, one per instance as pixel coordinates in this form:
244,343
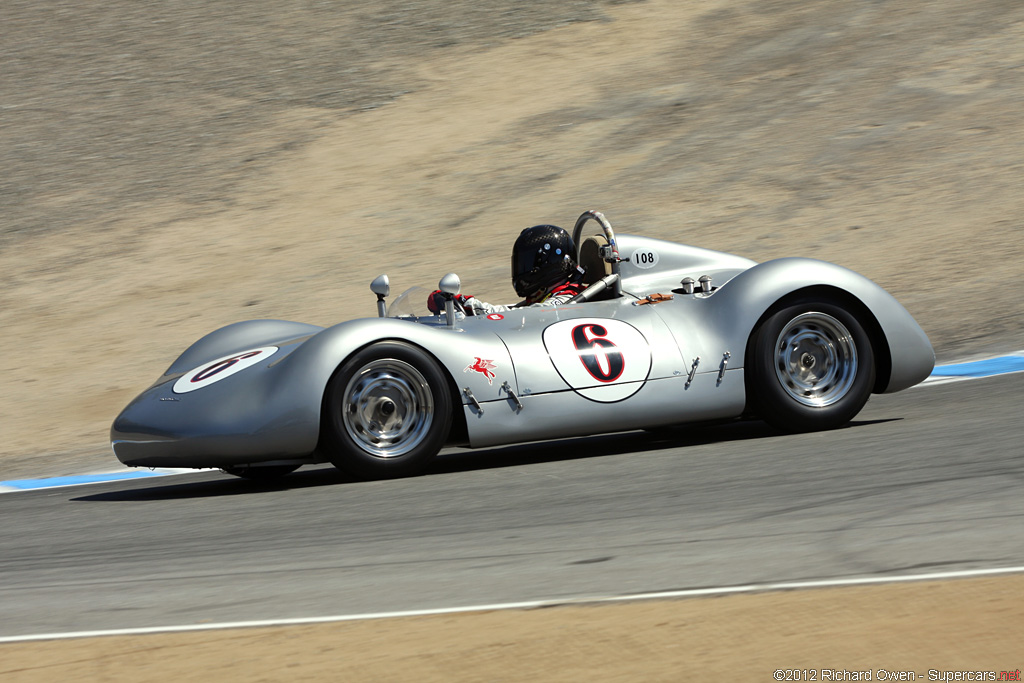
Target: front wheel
387,412
810,367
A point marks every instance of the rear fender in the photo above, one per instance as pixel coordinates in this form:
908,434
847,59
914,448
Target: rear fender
904,354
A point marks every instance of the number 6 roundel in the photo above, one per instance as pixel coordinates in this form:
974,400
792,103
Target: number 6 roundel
221,368
602,360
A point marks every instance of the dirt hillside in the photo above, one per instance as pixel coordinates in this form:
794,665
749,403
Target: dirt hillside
172,167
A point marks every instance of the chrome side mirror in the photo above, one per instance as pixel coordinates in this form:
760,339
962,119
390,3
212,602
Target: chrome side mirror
381,286
450,285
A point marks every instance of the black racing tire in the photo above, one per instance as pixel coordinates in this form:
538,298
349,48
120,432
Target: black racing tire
810,366
387,412
261,474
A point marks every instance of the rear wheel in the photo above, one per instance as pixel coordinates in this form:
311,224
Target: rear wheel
387,412
810,367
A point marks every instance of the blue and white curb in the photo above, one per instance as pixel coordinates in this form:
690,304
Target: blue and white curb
79,480
977,369
942,374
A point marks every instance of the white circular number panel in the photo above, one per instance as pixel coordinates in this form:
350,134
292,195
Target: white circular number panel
602,360
216,370
644,258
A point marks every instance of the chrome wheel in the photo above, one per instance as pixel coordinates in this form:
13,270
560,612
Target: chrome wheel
387,408
816,359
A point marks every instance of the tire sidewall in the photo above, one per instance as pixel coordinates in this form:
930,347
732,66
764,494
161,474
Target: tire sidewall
345,454
770,399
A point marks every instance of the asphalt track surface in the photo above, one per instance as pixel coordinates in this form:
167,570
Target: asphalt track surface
929,479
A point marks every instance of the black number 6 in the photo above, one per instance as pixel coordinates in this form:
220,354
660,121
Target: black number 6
590,340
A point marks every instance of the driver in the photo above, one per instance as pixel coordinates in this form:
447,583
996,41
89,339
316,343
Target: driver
544,273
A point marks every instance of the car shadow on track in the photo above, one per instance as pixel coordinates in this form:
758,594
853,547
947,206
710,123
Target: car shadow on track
217,484
464,460
612,444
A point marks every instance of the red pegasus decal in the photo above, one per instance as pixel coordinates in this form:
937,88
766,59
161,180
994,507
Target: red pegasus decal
484,367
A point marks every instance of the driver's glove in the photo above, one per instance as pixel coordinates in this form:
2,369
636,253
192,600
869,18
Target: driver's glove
435,302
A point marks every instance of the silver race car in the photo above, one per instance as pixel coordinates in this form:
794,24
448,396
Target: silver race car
663,334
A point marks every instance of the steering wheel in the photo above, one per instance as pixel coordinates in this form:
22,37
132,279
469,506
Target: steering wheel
609,280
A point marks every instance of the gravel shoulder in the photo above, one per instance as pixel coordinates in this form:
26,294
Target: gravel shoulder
949,626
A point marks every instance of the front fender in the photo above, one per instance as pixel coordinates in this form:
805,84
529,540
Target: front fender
272,409
906,353
304,374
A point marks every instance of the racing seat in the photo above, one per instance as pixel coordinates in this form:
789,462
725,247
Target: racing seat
590,259
598,276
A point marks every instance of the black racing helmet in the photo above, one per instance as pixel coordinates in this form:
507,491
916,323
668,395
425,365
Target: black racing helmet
543,256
